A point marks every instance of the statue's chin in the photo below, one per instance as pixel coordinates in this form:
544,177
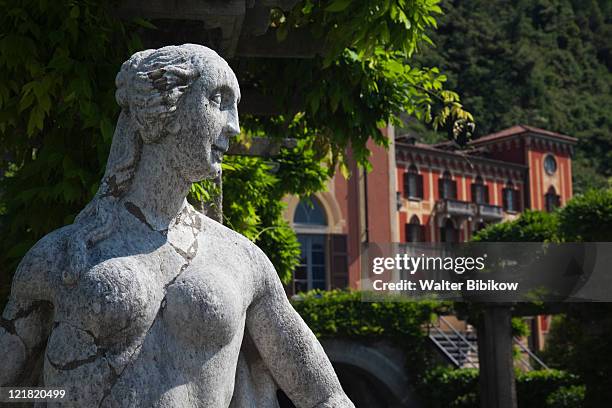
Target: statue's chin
210,172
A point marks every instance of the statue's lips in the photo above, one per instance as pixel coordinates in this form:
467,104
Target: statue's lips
220,149
217,152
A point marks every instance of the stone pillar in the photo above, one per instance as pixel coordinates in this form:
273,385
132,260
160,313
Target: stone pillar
497,386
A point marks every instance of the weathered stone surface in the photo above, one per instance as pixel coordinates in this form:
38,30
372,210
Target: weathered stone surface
145,302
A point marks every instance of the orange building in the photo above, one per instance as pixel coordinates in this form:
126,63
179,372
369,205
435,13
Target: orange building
432,193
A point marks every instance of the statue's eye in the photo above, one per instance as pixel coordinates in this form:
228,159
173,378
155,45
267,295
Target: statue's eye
216,98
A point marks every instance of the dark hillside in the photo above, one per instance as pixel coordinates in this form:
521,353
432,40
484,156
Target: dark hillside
541,62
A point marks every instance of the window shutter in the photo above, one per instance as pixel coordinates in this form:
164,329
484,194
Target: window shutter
420,186
406,177
486,194
441,188
338,251
515,200
453,189
421,236
505,198
473,192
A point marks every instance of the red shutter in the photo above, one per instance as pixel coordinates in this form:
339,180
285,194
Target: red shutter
338,251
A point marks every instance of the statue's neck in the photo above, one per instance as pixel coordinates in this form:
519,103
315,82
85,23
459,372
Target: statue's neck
157,191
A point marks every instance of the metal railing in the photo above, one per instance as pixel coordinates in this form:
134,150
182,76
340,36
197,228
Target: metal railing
456,207
490,212
464,343
463,339
530,354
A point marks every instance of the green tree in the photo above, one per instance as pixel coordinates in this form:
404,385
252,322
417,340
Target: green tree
540,62
531,226
57,110
579,338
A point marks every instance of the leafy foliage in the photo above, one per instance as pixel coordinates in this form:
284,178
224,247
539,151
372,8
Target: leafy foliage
450,387
567,397
361,82
58,61
540,62
587,217
579,339
338,313
341,314
531,226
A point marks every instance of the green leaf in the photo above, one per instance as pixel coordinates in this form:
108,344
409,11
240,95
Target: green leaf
75,12
144,23
337,6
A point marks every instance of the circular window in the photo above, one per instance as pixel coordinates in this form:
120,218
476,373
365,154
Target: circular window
550,164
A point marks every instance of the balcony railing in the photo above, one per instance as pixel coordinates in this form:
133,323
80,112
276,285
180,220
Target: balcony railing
490,212
456,208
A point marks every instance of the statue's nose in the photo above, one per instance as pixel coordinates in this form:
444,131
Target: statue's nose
232,127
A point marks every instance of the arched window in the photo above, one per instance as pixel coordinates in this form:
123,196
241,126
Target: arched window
480,192
510,197
413,183
310,222
447,186
448,233
414,230
310,212
552,199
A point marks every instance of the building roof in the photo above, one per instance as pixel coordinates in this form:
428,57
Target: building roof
433,149
521,129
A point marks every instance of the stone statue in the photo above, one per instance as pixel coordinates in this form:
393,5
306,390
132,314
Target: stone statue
145,302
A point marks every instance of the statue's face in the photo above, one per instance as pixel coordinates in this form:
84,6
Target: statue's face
208,118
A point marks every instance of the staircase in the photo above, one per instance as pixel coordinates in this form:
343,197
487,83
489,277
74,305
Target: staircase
460,347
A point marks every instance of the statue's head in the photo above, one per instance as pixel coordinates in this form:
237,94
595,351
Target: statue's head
181,99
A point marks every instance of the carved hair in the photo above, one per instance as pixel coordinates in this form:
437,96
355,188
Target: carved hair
149,87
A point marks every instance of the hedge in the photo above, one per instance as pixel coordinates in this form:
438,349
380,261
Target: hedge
340,313
458,388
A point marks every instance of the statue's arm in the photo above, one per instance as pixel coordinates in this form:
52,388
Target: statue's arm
26,321
289,348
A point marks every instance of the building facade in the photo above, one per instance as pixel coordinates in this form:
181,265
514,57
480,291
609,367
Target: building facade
428,193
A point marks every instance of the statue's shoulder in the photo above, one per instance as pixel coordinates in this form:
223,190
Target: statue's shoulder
235,242
41,267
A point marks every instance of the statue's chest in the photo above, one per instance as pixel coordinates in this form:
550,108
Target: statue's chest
206,304
119,297
199,298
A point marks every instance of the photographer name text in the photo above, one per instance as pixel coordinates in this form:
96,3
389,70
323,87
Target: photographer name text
430,285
